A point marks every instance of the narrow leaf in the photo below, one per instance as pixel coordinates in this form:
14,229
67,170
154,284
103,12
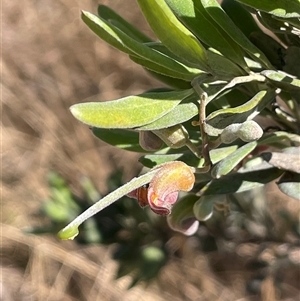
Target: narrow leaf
128,112
219,16
173,34
111,16
231,161
195,17
118,39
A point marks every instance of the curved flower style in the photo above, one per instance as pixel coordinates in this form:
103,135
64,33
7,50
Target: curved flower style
163,190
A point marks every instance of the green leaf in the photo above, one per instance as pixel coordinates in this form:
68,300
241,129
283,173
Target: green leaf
124,139
111,16
179,114
220,119
289,184
128,112
220,153
282,80
279,8
231,161
195,17
239,182
159,69
213,8
173,34
118,39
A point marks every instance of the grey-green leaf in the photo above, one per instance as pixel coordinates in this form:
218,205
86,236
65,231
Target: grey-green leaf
229,163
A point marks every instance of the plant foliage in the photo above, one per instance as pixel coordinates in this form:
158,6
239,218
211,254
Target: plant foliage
222,72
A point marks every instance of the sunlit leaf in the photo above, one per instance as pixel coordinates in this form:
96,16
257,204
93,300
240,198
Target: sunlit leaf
231,161
173,34
118,39
128,112
195,17
179,114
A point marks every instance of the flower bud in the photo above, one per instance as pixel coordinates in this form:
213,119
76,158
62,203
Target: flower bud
149,141
229,134
249,131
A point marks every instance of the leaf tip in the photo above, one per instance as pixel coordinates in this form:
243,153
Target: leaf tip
68,233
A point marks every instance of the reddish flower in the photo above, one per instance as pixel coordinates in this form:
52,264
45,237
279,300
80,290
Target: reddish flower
163,190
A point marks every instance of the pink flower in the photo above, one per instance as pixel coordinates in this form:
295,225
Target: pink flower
163,190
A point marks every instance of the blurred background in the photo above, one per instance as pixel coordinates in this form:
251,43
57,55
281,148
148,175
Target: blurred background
51,60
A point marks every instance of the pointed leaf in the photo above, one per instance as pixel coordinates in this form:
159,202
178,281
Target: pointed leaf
111,16
179,114
173,34
118,39
128,112
231,161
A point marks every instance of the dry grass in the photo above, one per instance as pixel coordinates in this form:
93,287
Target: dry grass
51,61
